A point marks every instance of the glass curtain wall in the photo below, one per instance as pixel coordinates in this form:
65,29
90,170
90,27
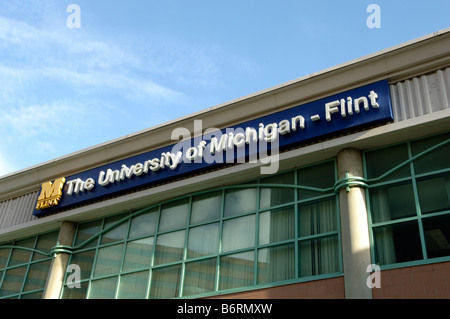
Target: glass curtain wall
265,232
410,207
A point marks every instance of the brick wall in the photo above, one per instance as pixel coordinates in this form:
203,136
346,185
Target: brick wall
428,281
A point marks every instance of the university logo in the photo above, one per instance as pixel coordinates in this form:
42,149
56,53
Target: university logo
50,193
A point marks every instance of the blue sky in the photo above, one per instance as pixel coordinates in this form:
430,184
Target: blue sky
135,64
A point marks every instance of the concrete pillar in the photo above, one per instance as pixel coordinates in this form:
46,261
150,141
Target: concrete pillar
354,227
59,263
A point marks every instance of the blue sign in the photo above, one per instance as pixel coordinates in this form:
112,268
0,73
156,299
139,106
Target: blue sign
256,140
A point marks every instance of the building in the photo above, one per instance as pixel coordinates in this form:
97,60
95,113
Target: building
334,185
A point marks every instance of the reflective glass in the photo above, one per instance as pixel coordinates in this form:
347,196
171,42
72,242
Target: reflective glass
276,264
435,160
174,215
170,247
320,176
240,201
317,217
199,277
12,281
319,256
109,260
45,243
76,293
86,231
379,162
276,225
277,195
103,288
203,240
434,194
138,254
144,224
392,202
84,260
37,276
238,233
166,282
133,286
117,233
4,254
236,270
20,256
206,207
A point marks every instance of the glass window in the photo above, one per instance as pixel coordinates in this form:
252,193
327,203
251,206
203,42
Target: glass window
434,160
144,224
170,247
276,225
12,281
381,161
109,260
437,236
84,260
117,233
103,288
397,243
238,233
203,240
133,286
434,194
392,202
21,256
199,277
276,263
317,217
45,243
320,176
236,270
240,201
174,215
277,195
206,207
138,254
86,231
166,282
37,275
320,256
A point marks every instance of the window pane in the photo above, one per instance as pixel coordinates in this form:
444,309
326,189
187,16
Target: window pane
203,240
165,282
108,260
277,196
276,225
33,295
103,288
240,201
381,161
13,280
174,215
143,225
84,260
117,233
236,270
170,247
76,293
86,231
20,256
238,233
45,243
133,286
317,217
320,256
4,254
138,254
434,194
199,277
320,176
206,207
276,264
437,236
37,276
435,160
392,203
397,243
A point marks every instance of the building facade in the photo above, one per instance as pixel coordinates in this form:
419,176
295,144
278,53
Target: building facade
334,185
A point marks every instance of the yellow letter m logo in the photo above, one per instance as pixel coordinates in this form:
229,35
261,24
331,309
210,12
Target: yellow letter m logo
50,193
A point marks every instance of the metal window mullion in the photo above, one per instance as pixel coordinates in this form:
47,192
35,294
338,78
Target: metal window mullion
155,242
296,229
219,249
417,204
184,258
